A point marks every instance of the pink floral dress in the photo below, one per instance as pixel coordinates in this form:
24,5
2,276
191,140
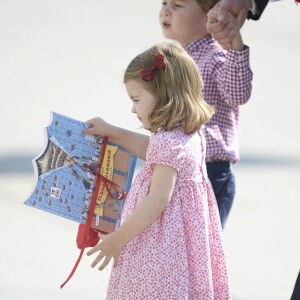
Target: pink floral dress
180,255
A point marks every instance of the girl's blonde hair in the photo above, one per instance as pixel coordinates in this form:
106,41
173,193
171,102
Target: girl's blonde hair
177,88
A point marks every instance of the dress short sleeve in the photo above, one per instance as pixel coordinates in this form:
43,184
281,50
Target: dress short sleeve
166,148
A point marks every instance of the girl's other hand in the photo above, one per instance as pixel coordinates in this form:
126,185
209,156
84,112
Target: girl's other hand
110,247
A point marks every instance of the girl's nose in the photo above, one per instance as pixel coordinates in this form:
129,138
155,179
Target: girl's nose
133,109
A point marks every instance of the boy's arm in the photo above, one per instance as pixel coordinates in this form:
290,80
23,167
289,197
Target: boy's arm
234,76
232,68
146,212
135,143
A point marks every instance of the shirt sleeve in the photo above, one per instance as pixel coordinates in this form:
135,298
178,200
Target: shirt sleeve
165,150
234,75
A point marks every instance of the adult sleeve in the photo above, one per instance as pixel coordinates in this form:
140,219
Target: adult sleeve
260,6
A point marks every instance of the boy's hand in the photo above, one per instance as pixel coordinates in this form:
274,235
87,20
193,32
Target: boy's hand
110,247
236,22
226,31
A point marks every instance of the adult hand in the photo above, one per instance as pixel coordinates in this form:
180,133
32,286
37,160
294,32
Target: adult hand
232,6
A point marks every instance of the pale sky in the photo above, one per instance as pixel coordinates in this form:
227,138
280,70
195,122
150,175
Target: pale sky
69,57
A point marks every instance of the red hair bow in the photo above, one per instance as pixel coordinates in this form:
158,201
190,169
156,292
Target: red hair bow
147,74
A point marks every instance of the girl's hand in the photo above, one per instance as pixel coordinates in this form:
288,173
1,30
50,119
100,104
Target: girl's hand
99,127
110,247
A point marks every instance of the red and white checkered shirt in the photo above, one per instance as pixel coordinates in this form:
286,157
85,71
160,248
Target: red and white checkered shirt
227,81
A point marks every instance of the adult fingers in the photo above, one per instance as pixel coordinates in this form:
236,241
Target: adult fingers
241,17
233,6
223,10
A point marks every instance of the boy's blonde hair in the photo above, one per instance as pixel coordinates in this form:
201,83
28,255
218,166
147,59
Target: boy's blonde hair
177,88
206,5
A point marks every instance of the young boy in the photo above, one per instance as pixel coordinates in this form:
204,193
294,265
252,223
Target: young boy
227,85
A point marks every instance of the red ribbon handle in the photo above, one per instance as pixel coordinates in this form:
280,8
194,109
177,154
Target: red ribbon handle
110,185
107,182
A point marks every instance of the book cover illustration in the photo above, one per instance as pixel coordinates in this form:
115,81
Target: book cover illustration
65,175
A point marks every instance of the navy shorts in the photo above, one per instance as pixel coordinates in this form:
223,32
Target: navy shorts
223,183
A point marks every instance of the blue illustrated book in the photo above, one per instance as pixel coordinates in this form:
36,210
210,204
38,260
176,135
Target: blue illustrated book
66,172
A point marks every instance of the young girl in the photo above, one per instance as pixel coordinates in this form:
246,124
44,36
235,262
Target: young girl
169,244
